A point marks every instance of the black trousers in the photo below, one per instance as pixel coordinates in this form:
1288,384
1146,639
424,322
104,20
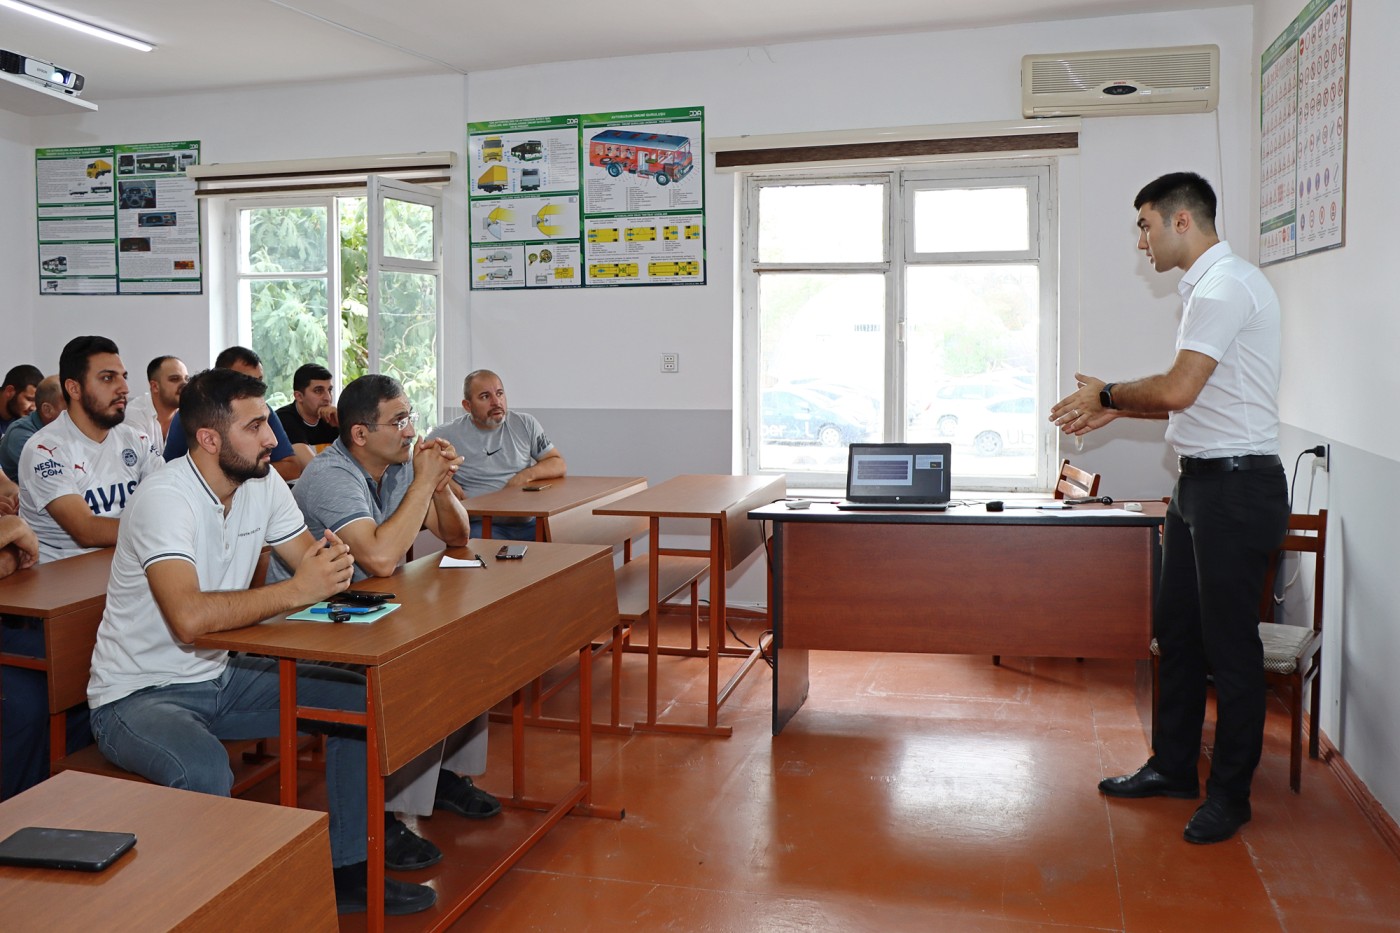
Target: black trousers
1221,529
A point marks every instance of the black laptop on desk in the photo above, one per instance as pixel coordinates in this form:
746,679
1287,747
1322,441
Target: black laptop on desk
898,478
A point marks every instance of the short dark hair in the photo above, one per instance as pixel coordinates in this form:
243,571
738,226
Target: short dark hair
207,401
73,361
233,355
22,377
1180,191
308,373
154,366
360,400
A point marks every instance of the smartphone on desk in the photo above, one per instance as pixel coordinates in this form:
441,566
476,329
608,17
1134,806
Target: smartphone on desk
75,849
511,552
536,487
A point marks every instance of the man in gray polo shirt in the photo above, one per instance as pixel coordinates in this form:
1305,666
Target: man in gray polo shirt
500,448
375,490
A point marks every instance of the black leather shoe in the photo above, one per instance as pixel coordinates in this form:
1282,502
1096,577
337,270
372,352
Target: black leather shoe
405,850
458,794
1216,820
400,897
1147,782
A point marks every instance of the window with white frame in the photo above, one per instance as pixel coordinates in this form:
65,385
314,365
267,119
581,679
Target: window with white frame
915,304
300,280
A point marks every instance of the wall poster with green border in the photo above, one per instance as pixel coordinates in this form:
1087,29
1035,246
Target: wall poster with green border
118,220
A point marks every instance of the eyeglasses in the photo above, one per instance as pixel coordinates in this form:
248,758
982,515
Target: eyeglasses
400,424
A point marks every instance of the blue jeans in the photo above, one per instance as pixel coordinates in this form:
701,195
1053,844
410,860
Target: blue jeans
24,711
500,531
170,735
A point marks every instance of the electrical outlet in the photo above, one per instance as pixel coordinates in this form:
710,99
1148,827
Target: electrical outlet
670,362
1323,463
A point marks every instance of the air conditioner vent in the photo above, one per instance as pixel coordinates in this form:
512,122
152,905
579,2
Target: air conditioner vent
1170,80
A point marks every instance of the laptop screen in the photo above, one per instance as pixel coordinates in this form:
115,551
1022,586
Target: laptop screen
920,473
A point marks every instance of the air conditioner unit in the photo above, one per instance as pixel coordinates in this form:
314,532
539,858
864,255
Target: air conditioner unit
1185,79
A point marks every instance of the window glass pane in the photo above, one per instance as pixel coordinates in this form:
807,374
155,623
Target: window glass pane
284,239
408,230
971,220
821,368
408,339
972,350
821,223
289,328
354,289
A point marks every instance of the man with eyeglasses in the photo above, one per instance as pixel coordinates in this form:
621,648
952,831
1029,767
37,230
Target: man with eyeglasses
500,448
375,490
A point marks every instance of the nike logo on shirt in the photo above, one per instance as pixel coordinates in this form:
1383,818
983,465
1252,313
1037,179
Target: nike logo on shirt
490,453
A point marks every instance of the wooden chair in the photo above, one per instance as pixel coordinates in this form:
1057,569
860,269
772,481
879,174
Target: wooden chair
1292,653
1073,483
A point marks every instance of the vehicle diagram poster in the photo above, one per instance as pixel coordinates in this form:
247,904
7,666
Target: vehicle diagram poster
524,203
118,220
644,197
1303,125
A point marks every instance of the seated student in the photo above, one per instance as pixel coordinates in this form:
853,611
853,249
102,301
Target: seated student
17,393
183,562
376,491
77,473
166,376
286,460
48,405
311,417
9,496
501,448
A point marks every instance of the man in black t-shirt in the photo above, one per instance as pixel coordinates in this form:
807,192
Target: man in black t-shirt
311,418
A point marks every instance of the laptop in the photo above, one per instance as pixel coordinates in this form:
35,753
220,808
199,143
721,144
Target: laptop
898,477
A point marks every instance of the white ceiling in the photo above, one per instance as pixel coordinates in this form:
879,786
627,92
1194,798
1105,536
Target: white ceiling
211,44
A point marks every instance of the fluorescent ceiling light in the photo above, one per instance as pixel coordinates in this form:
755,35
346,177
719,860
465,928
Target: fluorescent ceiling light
77,24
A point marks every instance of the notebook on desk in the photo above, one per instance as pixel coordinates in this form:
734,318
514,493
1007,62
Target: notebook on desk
898,477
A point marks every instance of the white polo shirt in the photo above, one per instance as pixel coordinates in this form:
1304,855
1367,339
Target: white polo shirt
176,516
59,460
1231,314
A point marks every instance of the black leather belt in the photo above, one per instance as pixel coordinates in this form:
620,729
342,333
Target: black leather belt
1192,466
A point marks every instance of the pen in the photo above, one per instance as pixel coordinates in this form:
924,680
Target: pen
349,610
480,560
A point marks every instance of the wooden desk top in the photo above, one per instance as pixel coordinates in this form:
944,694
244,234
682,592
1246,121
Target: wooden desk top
564,493
430,599
1152,514
58,587
200,862
693,496
461,640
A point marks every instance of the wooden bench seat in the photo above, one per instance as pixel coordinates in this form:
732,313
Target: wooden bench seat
674,575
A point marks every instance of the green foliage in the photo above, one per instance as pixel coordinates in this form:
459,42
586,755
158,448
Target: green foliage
289,316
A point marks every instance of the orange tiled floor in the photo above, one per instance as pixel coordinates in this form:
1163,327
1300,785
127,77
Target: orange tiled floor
920,793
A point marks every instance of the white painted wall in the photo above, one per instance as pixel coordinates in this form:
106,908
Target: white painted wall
1340,385
19,259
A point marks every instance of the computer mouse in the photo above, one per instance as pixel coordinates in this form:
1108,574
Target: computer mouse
798,503
996,505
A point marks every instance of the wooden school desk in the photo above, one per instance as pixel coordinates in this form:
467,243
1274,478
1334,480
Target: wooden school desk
723,501
462,639
69,596
200,862
562,494
1019,582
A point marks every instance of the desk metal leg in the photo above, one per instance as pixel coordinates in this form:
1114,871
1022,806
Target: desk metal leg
287,738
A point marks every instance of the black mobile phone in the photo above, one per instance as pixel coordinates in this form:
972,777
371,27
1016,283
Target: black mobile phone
355,598
536,487
511,552
77,849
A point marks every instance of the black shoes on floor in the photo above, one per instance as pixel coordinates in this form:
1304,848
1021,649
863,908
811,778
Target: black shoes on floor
405,850
400,897
1147,782
1214,821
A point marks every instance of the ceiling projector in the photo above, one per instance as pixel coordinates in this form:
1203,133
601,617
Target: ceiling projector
42,73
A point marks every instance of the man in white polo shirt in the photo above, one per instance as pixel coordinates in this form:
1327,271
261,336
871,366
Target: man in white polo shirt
185,556
78,471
